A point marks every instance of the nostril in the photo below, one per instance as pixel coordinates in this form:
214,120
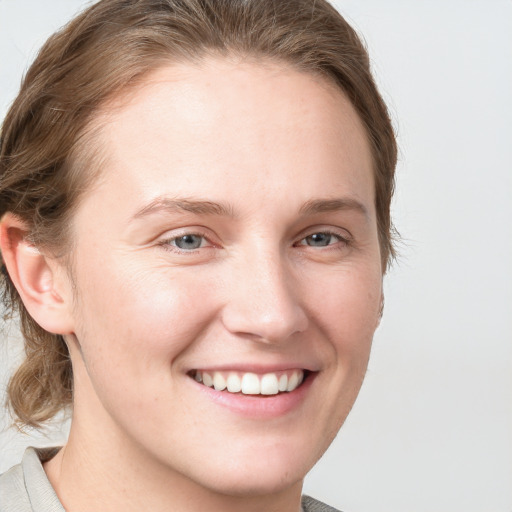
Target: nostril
268,327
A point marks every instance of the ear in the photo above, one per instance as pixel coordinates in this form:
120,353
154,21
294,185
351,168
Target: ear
41,281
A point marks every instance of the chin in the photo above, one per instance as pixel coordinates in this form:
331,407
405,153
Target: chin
267,469
255,482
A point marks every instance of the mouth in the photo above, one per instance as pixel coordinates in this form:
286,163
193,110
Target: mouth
249,383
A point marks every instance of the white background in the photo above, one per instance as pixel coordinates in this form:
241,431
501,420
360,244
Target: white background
432,428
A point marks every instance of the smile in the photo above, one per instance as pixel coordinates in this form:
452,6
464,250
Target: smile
249,383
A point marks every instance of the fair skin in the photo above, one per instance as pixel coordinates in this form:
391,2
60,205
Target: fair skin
232,232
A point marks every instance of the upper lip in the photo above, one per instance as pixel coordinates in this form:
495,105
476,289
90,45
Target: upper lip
255,368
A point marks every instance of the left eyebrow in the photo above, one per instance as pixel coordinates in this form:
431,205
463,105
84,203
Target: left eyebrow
333,205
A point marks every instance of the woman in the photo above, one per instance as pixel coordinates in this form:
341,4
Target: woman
195,225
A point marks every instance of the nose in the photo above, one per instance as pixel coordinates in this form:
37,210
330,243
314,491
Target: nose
264,300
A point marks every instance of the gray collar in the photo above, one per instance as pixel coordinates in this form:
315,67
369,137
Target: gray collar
40,492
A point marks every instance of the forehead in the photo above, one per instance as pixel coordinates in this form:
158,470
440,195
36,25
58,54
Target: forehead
233,121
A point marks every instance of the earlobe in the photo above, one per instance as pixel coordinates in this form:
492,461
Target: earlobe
37,277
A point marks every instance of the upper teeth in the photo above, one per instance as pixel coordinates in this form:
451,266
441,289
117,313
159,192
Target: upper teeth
251,383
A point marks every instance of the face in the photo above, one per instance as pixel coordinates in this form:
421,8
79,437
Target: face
227,275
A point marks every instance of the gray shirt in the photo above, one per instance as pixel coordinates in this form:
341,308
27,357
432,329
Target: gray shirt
25,487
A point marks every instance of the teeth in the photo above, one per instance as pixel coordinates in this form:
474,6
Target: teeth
269,385
283,382
207,380
219,382
293,382
251,383
234,383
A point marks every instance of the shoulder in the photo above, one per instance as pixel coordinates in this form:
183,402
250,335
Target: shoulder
311,505
25,487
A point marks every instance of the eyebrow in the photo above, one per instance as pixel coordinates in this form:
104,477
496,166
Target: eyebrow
200,207
167,205
333,205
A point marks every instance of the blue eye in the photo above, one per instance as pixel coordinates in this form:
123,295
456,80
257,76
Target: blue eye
188,242
321,239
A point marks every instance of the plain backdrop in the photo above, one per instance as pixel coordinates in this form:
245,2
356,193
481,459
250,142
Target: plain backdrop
432,428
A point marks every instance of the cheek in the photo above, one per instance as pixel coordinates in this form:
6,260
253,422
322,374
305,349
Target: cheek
347,307
346,312
133,323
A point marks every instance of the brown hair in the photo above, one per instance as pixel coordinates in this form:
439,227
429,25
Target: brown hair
110,46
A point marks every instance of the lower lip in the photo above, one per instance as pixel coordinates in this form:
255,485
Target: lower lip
259,406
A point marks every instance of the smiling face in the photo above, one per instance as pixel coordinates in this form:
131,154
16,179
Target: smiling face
231,240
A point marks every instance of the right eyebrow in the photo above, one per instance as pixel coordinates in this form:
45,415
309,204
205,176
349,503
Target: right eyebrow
167,205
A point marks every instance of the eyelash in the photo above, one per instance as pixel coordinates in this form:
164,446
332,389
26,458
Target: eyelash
345,240
169,243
